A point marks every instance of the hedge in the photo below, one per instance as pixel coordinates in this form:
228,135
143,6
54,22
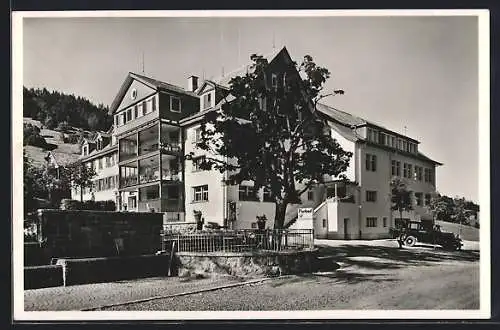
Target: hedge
36,277
71,204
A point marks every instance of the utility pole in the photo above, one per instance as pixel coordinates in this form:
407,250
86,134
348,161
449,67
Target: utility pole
142,62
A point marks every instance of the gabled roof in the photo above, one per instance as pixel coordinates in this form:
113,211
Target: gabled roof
148,81
226,78
62,158
340,117
350,120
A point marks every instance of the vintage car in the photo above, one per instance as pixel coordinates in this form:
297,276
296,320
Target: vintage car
414,232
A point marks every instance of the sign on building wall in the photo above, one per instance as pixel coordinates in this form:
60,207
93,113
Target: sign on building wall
305,218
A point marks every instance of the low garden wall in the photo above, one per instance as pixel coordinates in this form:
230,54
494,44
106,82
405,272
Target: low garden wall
108,269
36,277
255,263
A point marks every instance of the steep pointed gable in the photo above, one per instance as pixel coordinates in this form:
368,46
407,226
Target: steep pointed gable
133,89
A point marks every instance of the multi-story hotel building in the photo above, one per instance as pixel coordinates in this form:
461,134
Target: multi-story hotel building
156,124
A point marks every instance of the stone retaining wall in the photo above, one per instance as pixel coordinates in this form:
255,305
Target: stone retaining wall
259,263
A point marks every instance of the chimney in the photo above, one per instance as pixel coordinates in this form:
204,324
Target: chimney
192,83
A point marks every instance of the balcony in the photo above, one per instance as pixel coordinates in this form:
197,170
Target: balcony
170,175
149,205
127,182
170,147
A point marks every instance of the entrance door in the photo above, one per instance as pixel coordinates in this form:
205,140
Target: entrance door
346,228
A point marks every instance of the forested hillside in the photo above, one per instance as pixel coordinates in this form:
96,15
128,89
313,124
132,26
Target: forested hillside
55,109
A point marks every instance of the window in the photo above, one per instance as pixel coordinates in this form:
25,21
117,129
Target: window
418,173
85,150
197,162
99,163
200,193
371,162
384,221
129,115
116,120
153,103
381,138
371,196
371,222
207,100
136,112
175,104
197,135
274,80
410,171
428,175
310,195
373,135
405,170
427,199
418,198
145,106
324,223
123,118
393,168
266,195
247,193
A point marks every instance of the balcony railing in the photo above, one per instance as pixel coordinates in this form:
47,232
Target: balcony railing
170,147
149,176
149,205
128,181
170,175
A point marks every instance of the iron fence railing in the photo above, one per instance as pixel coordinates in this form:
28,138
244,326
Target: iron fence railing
238,240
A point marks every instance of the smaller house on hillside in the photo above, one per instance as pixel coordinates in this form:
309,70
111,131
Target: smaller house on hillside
56,160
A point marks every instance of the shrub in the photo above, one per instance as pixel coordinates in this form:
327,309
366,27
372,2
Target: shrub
32,137
63,126
70,204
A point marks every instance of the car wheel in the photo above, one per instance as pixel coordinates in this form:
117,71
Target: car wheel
410,241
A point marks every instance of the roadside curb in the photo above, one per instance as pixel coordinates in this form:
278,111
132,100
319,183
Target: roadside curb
185,293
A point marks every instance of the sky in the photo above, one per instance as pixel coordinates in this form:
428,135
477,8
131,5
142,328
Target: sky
415,72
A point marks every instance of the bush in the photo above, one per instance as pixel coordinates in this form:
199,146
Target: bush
70,204
63,126
32,137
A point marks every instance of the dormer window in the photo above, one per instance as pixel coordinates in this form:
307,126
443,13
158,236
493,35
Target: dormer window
99,144
207,101
175,104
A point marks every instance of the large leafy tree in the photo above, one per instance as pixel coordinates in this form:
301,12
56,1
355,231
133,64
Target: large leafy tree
80,176
400,196
269,132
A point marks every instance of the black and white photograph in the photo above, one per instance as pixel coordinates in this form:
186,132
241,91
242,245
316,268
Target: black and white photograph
185,165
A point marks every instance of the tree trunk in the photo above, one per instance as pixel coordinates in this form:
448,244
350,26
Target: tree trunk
81,194
279,215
